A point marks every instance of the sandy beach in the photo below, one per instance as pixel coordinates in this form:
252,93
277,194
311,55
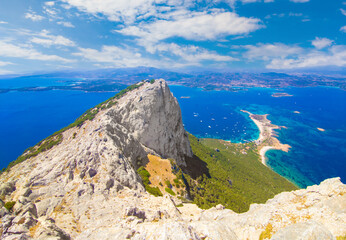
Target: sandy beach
266,139
263,154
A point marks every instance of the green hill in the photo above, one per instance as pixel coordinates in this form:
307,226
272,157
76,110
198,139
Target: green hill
236,176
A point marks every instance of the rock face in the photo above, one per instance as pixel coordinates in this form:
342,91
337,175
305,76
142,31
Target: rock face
87,186
153,117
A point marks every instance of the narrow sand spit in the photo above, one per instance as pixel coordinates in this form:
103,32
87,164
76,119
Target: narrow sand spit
267,138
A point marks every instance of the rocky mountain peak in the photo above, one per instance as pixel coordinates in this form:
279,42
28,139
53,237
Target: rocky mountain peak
152,116
82,183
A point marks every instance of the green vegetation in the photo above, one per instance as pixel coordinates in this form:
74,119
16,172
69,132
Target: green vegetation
42,146
128,89
168,184
154,191
9,205
170,191
177,183
57,137
144,174
152,81
236,179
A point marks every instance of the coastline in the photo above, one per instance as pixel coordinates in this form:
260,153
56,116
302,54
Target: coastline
267,139
262,153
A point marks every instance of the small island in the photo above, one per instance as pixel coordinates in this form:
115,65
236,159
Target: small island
321,129
297,112
281,95
267,139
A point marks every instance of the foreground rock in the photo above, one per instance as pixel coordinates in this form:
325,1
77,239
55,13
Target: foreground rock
87,187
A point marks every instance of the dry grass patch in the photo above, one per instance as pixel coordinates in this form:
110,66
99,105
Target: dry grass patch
160,172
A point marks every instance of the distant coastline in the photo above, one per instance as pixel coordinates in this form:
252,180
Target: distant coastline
267,139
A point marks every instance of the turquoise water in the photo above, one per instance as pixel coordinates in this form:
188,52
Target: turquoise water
28,117
314,155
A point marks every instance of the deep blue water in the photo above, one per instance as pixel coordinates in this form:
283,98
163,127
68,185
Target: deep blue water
21,82
314,155
28,117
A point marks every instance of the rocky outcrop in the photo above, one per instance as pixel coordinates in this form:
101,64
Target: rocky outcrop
153,117
87,187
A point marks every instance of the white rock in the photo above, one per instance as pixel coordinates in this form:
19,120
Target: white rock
81,188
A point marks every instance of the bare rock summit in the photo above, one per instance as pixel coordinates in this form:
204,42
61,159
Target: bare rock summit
82,183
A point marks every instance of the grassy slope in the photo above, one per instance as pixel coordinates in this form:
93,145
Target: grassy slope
251,181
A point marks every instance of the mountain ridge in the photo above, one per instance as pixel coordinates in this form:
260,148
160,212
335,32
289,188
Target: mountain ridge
87,187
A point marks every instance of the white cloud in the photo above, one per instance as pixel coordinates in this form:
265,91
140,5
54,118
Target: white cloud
195,26
191,54
5,63
343,29
50,3
3,22
3,72
343,11
33,16
66,24
117,57
129,11
281,56
269,51
300,1
320,43
27,52
118,10
171,56
48,40
232,2
335,56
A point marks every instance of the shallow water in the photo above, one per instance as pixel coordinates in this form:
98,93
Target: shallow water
28,117
314,155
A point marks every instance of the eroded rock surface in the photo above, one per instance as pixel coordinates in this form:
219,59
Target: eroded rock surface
87,186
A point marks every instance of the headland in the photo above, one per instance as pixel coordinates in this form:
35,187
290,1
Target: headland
267,139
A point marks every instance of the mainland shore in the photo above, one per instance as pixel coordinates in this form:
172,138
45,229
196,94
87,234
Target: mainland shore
267,139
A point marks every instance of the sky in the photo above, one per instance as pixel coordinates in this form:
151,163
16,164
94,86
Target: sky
266,35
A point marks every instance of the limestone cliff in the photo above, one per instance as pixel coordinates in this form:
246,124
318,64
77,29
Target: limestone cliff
86,185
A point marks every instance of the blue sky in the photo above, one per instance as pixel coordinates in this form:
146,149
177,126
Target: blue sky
268,35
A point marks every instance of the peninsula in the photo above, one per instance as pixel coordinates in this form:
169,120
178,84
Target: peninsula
127,169
267,138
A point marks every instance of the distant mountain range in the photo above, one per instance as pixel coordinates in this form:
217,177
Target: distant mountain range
115,79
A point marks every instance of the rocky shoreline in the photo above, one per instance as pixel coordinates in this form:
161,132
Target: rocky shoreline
87,187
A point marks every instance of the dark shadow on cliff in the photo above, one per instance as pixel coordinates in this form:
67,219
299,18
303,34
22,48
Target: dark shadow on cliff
195,167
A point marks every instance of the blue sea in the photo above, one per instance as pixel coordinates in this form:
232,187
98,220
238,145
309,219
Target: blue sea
28,117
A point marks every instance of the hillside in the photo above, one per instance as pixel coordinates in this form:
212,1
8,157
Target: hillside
238,178
126,169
